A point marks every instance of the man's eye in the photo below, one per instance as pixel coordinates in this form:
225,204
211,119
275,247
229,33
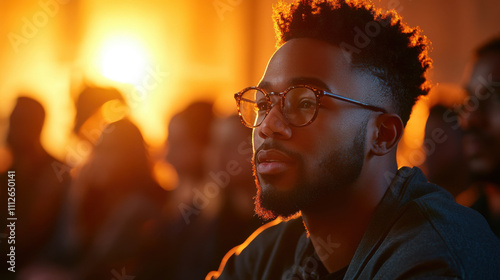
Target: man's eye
262,105
307,104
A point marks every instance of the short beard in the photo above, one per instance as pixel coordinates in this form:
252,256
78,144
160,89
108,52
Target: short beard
336,171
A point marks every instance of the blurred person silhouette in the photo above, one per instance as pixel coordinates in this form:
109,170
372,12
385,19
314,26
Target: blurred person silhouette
480,119
74,249
39,190
187,144
188,140
230,160
230,174
190,212
231,163
117,205
445,162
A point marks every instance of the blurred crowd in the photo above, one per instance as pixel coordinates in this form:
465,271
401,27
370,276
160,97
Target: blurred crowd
107,217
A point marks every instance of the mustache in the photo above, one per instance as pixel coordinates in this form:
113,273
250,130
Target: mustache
273,145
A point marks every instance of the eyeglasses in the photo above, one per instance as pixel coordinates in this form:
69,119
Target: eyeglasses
299,104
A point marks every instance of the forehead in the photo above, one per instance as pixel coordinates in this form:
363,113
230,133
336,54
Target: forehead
317,63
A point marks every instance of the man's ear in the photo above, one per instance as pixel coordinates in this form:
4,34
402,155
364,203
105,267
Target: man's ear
389,129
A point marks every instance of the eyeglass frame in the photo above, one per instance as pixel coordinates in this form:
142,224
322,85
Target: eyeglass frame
318,93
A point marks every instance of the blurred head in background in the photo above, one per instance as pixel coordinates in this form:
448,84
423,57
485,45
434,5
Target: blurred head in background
120,156
188,139
25,127
229,160
90,100
231,148
445,162
96,107
481,115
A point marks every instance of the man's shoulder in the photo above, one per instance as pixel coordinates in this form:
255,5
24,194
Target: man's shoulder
460,228
418,231
434,230
266,250
428,204
464,231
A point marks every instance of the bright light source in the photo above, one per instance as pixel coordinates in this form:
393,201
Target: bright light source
123,60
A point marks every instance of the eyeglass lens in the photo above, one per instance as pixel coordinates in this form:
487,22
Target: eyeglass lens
299,106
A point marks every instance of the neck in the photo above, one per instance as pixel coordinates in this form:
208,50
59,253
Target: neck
337,229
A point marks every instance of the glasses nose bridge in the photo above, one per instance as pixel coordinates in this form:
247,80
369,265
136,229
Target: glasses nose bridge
275,119
278,96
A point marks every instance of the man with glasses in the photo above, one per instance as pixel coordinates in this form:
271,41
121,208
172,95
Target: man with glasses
326,117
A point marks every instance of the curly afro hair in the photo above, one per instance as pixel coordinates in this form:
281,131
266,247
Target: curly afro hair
377,42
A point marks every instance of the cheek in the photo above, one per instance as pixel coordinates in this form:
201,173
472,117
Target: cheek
256,140
314,144
332,130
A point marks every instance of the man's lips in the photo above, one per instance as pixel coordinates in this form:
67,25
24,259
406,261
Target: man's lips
272,161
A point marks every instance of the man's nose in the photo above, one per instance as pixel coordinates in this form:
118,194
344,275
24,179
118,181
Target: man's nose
275,124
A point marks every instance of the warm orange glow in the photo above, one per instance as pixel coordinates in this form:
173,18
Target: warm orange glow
165,175
123,60
161,55
410,151
6,161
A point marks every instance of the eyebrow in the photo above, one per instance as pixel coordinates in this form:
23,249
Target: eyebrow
301,81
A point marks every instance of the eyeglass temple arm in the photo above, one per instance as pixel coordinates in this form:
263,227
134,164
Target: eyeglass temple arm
238,97
347,99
